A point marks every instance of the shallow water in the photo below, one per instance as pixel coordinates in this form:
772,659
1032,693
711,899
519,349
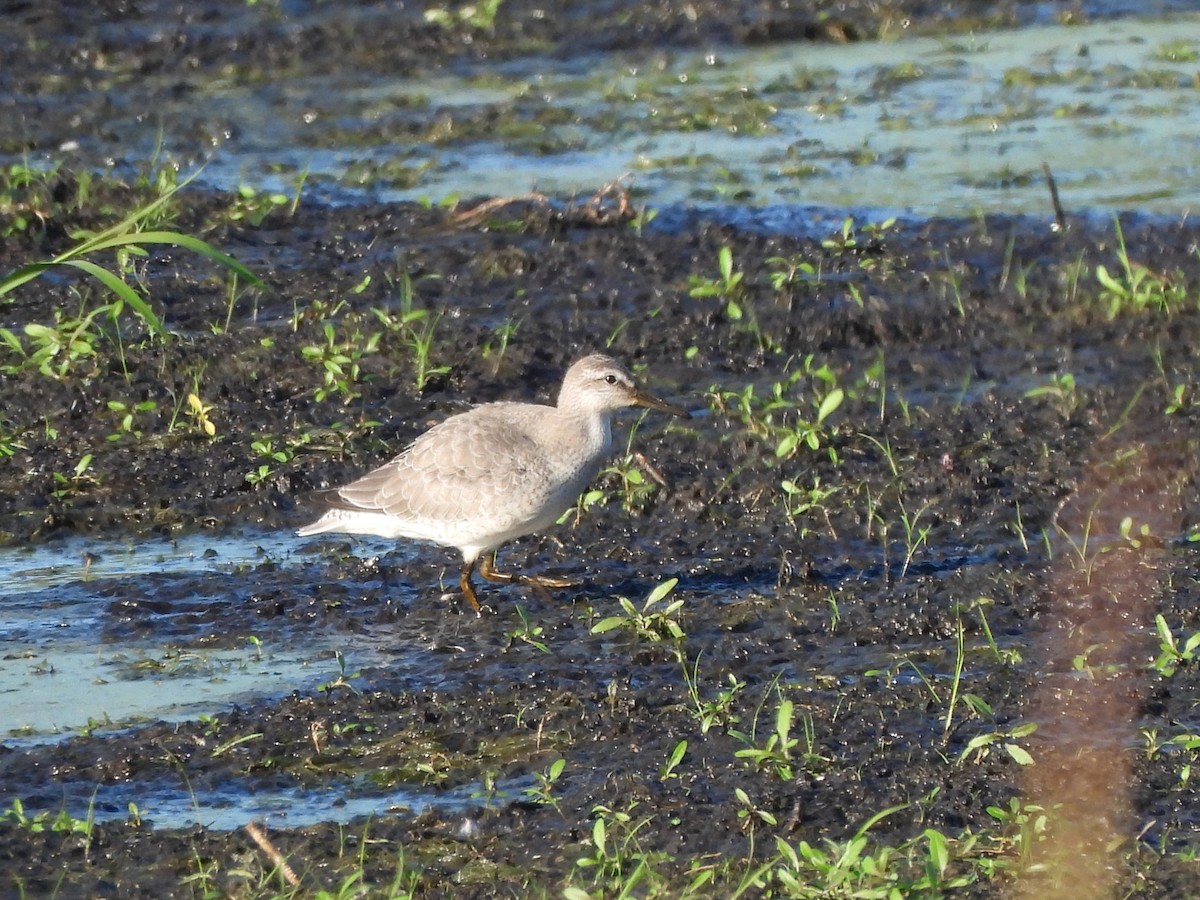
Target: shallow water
229,805
66,667
920,126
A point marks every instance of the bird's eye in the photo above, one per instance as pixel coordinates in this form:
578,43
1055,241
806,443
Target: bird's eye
611,379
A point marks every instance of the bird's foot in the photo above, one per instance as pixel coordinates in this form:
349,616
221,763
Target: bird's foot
548,581
541,584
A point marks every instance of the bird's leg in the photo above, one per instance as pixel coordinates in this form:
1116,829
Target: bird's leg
464,584
487,568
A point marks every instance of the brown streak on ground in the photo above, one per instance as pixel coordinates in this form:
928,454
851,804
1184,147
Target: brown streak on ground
1102,594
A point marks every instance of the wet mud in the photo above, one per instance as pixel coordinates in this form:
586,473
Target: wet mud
950,562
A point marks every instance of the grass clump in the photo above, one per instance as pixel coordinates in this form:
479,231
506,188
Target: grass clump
1136,288
56,348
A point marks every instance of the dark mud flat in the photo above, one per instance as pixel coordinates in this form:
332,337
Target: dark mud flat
961,512
925,614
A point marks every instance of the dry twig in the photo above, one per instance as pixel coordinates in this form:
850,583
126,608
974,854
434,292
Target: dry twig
260,837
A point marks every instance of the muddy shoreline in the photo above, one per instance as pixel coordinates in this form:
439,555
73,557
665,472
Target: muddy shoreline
916,575
771,598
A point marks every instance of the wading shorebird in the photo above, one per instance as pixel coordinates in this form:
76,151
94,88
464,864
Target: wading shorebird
493,474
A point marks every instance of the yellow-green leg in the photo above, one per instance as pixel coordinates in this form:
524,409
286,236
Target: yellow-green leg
487,568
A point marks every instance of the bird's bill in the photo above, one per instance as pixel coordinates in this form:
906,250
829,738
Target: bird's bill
649,401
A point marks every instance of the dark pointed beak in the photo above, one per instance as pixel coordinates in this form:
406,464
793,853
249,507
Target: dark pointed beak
649,401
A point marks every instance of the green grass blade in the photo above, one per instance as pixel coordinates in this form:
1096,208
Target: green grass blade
608,624
126,226
882,814
122,290
205,249
175,238
18,277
